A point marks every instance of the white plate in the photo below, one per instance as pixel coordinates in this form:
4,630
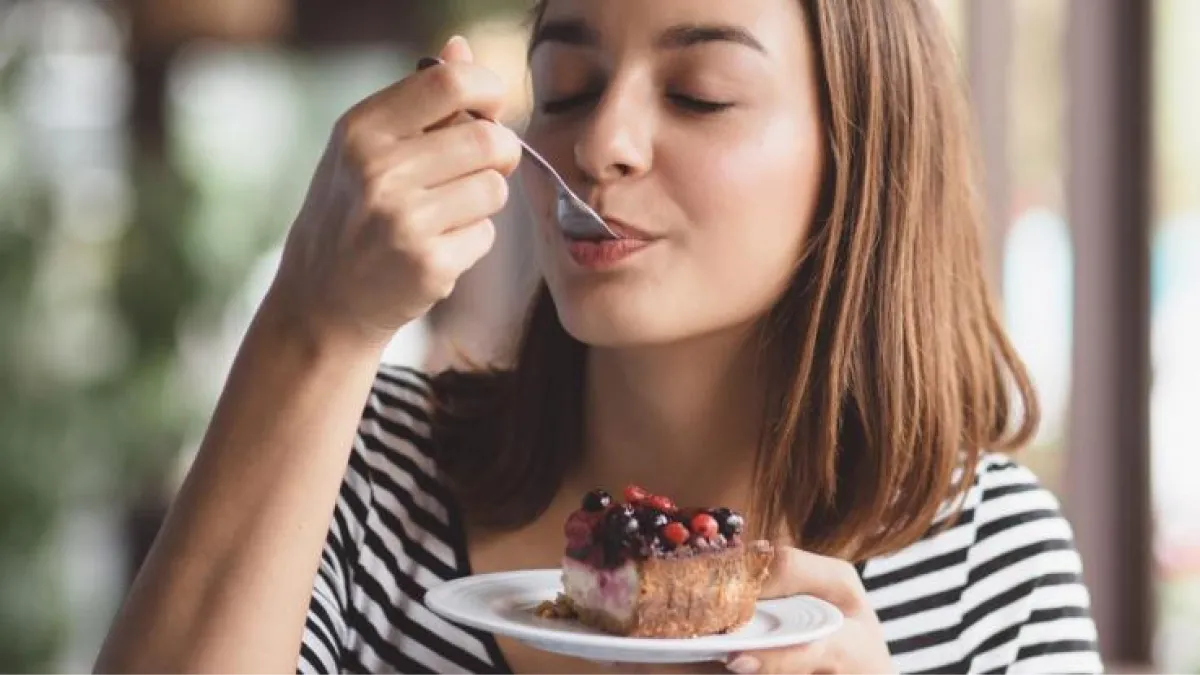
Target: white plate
504,604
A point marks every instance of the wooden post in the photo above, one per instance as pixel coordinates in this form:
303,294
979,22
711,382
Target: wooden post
1107,475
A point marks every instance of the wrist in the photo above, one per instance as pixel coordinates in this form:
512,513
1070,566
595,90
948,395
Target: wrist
278,325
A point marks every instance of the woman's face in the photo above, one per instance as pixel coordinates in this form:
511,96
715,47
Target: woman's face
692,125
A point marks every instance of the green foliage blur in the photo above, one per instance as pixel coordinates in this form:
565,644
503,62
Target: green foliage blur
93,409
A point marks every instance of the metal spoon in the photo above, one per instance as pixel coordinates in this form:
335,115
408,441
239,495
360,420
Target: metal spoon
576,218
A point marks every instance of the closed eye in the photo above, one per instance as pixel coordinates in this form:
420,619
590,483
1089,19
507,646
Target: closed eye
699,105
568,103
686,103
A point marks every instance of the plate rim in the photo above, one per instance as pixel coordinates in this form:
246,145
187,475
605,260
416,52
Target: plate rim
435,603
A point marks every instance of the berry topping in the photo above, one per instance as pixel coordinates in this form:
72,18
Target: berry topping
705,526
730,522
605,532
578,530
620,524
596,500
635,494
676,533
661,503
652,520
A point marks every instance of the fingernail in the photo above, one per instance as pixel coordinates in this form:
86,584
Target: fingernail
744,665
463,46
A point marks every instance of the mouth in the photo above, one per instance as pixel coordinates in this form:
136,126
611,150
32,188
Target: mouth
624,230
605,254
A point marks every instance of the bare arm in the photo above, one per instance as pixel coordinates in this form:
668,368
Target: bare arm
398,210
227,584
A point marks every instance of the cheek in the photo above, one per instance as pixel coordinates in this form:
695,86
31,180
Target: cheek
752,203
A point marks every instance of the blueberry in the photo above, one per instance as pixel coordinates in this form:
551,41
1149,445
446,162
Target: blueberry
596,501
730,522
652,520
619,528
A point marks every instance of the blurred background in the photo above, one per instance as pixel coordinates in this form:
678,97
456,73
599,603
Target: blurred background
153,153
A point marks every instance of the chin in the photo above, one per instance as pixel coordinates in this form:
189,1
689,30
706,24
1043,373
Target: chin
615,330
607,318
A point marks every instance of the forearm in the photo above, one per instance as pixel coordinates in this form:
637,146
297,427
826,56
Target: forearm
226,585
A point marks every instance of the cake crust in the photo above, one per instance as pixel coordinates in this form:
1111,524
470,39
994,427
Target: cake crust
701,595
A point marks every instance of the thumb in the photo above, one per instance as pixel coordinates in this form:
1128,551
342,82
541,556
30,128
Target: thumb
796,572
457,49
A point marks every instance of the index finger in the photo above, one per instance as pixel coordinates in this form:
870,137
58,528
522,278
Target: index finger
430,96
796,572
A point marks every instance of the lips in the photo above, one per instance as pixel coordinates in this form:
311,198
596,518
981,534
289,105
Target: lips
625,230
604,253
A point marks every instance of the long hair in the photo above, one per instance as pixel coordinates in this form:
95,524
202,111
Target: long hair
896,373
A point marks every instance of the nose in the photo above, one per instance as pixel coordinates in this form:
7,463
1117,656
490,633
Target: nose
617,139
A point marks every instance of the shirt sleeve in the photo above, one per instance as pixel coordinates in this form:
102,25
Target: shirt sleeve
1026,609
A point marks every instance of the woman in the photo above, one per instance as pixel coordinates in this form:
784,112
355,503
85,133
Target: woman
798,327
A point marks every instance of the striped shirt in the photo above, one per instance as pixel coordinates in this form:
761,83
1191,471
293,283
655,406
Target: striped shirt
1000,591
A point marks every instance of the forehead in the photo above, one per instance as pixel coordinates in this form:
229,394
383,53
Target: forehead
778,25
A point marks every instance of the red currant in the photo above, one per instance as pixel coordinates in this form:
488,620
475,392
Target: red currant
705,526
635,494
676,533
661,503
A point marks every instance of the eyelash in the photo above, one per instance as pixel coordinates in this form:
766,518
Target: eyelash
687,103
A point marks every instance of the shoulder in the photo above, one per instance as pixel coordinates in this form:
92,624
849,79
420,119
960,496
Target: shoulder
1006,510
1000,585
394,460
417,429
395,533
397,417
1019,537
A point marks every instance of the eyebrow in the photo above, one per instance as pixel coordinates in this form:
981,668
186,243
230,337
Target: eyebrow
572,32
689,35
577,33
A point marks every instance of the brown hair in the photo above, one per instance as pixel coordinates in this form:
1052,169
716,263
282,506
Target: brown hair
898,371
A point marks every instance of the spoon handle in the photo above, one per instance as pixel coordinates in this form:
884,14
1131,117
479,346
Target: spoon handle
595,225
427,62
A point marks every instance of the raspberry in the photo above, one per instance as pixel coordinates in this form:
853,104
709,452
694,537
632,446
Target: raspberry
635,494
676,533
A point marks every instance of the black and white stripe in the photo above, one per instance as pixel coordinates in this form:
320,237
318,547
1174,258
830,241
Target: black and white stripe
999,591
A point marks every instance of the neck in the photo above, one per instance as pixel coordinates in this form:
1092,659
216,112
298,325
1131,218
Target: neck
682,420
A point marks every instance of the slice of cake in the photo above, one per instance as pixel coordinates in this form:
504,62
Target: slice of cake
644,568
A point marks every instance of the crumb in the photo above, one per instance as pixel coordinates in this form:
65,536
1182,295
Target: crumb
558,608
